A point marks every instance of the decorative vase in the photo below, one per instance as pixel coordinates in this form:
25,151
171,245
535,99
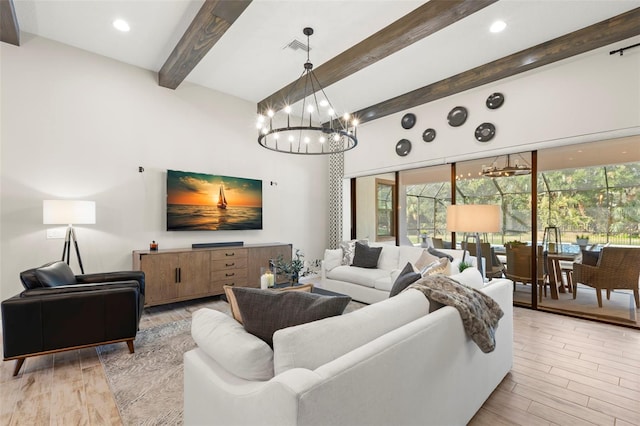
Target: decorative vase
294,277
582,241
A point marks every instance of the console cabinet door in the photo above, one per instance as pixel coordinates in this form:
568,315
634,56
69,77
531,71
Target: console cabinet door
161,277
194,274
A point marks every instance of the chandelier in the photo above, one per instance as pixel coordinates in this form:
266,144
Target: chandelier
311,127
507,170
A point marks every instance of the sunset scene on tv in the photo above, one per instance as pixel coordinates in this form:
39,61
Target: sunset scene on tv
199,201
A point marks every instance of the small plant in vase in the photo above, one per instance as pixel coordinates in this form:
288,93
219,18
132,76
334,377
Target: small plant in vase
291,269
463,265
582,240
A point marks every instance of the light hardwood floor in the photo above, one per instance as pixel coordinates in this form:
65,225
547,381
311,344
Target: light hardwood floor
566,371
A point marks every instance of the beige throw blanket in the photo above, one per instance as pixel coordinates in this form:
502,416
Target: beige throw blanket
480,313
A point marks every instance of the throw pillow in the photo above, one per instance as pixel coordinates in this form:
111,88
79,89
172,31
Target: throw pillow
348,249
438,253
55,274
407,277
440,266
365,256
265,311
332,259
227,342
425,260
590,258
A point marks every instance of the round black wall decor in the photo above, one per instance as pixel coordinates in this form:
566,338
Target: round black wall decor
485,132
408,121
457,116
495,100
403,147
429,135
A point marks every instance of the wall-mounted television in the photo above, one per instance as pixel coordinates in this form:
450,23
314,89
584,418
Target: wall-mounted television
204,202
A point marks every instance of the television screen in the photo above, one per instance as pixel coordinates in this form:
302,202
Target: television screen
202,202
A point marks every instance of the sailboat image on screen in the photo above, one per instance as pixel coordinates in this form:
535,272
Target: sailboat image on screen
222,200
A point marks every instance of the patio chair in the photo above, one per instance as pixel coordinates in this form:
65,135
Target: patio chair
617,269
493,266
519,267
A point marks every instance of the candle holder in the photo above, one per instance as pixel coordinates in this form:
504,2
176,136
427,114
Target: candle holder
267,277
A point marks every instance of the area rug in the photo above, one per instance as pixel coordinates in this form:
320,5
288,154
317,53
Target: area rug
148,385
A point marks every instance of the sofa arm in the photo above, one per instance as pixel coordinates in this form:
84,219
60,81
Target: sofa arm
41,320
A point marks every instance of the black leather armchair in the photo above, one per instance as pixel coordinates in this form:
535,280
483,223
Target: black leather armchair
60,311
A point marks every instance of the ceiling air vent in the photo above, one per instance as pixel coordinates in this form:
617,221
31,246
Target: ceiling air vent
297,45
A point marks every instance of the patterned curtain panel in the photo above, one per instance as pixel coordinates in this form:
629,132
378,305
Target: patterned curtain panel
336,173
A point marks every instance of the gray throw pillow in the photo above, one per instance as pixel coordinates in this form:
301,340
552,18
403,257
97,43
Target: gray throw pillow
266,311
55,274
365,256
407,277
590,258
440,254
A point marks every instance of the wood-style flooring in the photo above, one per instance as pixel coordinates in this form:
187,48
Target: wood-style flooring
566,371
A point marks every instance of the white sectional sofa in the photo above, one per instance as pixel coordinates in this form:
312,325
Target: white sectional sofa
389,363
371,285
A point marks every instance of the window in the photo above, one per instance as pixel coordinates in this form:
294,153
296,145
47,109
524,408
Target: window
385,211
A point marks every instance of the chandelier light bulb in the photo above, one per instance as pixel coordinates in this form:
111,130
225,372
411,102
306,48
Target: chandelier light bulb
260,118
331,112
324,103
355,122
276,136
287,109
322,139
270,113
306,139
258,125
290,138
309,109
265,130
346,116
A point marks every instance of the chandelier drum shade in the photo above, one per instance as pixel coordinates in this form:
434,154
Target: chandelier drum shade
507,170
312,126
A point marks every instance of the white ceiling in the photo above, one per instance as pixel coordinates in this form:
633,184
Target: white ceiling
250,61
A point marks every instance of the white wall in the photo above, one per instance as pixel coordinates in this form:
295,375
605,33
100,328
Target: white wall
588,97
77,125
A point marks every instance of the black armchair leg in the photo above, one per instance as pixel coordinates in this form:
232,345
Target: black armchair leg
19,363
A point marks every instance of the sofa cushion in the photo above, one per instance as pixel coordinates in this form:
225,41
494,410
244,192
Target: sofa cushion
388,257
55,274
385,283
362,276
440,266
228,343
314,344
332,258
365,256
590,258
405,279
438,253
265,311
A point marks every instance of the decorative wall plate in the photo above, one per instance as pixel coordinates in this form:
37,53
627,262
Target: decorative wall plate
457,116
408,121
485,132
429,135
403,147
495,100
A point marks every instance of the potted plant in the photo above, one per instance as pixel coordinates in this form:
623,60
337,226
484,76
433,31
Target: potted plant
291,269
514,243
582,240
463,265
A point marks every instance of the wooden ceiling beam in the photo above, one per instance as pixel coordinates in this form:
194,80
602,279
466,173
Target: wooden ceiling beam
598,35
420,23
214,18
9,29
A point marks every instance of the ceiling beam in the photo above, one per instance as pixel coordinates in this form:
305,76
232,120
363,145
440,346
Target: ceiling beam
598,35
420,23
212,21
9,29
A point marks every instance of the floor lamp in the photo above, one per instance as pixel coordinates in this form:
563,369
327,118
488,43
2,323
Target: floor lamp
69,212
473,219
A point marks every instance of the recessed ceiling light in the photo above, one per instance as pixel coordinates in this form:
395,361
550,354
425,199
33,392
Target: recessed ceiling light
497,26
121,25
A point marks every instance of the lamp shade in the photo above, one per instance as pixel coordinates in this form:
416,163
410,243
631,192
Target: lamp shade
68,212
473,218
